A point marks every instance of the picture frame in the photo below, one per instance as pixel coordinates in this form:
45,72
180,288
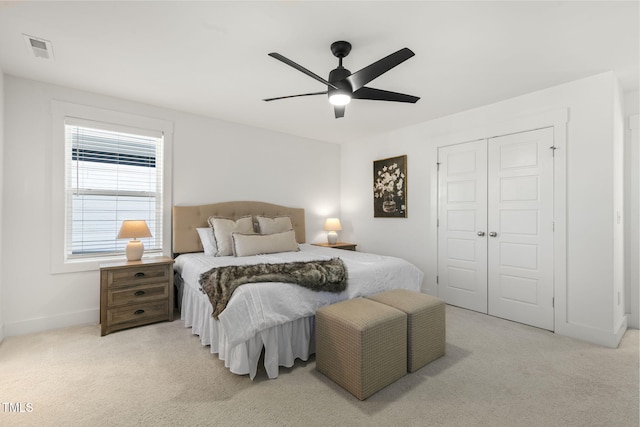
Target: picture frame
390,187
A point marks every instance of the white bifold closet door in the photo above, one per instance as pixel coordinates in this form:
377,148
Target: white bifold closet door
495,226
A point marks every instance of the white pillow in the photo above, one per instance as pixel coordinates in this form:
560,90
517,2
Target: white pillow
278,224
222,229
208,240
256,244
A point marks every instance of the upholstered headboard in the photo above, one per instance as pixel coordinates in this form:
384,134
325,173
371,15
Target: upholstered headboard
187,218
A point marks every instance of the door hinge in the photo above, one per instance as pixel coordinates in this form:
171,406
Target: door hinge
553,303
553,226
553,149
437,279
438,166
438,222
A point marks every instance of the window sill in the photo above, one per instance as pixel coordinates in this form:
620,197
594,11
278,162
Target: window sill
78,265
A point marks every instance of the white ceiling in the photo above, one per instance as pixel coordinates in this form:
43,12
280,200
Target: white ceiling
210,58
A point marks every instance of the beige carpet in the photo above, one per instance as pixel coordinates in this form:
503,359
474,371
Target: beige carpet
495,373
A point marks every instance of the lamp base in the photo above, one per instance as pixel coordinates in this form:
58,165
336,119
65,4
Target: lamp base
332,237
134,250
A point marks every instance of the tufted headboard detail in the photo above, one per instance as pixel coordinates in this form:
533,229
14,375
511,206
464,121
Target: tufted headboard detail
187,218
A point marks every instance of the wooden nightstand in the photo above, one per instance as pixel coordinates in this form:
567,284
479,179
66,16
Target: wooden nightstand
135,293
339,245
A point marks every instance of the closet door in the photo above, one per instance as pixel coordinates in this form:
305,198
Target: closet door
462,241
520,227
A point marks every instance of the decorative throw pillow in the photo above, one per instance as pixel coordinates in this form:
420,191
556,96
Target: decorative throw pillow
222,229
278,224
208,240
256,244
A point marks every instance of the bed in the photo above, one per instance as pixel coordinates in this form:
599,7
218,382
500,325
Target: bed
276,317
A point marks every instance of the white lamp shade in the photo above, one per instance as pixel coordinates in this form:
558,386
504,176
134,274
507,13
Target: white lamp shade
132,229
332,224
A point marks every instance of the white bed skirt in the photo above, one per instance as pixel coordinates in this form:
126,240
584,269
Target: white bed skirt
283,343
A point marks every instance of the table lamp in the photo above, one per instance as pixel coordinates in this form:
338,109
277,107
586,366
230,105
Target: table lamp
332,225
133,229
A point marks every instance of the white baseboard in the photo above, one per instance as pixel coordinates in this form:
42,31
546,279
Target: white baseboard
84,317
596,336
622,328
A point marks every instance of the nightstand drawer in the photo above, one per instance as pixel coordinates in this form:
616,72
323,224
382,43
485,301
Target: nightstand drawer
139,274
137,294
138,313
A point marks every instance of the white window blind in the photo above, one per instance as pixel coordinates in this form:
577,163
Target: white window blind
112,173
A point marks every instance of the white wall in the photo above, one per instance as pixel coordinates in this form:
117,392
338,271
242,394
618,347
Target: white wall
213,161
588,289
618,207
241,163
1,198
632,208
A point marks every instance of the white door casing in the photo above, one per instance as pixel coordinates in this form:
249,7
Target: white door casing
462,254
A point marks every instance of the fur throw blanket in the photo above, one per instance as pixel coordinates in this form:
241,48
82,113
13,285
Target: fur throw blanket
220,282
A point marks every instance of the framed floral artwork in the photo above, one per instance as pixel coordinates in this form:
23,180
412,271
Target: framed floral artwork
390,187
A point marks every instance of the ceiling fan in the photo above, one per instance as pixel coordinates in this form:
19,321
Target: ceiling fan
342,85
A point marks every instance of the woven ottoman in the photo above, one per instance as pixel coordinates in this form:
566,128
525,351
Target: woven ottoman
361,345
425,324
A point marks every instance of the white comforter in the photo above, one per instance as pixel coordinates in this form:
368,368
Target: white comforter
255,307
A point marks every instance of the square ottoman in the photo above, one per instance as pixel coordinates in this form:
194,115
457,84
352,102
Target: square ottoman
425,324
361,345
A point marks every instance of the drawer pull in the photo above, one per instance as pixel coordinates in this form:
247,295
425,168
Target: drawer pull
140,274
138,312
139,293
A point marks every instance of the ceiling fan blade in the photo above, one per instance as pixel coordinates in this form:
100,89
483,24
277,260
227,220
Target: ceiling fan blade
383,95
301,68
368,73
295,96
339,110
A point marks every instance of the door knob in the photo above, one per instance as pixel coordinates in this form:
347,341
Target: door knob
493,234
480,233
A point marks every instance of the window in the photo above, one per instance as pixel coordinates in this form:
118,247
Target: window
111,175
107,166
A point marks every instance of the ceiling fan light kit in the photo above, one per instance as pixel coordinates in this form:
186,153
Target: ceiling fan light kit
342,85
339,98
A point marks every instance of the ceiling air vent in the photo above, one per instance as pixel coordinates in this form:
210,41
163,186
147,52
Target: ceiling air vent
40,48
